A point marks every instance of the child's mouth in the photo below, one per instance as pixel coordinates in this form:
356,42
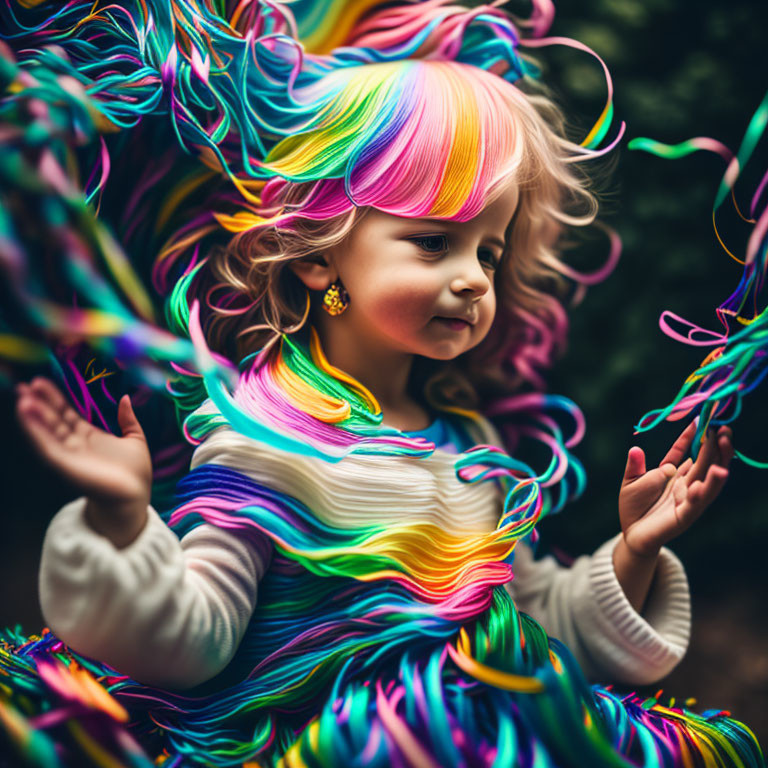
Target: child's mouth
453,323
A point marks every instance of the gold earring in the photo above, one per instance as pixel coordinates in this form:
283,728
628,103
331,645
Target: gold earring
336,299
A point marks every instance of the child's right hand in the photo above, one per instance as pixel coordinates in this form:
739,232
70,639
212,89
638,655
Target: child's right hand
115,473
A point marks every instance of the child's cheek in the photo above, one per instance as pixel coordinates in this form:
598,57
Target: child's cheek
406,303
488,309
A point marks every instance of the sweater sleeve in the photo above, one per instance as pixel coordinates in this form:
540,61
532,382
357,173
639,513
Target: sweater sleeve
586,608
166,612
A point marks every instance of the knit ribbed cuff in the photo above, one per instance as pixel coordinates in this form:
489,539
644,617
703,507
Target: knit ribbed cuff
641,649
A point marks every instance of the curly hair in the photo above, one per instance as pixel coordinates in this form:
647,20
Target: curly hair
522,141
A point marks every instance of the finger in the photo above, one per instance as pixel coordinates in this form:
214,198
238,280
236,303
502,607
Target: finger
50,392
679,490
704,460
685,467
23,392
40,434
681,446
690,504
127,420
701,494
635,466
713,484
725,446
31,406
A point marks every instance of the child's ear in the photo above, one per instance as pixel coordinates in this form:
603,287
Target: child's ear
314,271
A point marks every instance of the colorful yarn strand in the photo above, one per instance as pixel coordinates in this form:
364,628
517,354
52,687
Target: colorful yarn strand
737,361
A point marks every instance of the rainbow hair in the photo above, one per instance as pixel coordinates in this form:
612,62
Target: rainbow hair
402,114
413,117
418,111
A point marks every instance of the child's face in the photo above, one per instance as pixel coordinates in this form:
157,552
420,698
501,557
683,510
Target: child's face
422,286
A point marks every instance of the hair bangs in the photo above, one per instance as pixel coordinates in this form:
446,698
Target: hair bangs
412,138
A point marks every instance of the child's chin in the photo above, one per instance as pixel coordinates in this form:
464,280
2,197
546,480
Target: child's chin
447,354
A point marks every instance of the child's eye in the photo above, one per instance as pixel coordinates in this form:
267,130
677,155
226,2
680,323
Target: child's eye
437,244
431,243
488,258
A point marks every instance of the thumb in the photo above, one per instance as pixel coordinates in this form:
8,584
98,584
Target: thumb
635,465
127,420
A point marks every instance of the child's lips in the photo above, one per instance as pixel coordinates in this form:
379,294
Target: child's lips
454,323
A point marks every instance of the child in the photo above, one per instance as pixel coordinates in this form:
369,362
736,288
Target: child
335,583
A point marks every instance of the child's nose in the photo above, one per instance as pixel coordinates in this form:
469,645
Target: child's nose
471,277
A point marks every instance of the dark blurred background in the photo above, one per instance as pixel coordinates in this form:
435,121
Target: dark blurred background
680,69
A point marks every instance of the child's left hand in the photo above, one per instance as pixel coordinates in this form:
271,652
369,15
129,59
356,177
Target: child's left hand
657,505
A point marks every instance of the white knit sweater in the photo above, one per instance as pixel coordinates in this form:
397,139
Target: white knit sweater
172,613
